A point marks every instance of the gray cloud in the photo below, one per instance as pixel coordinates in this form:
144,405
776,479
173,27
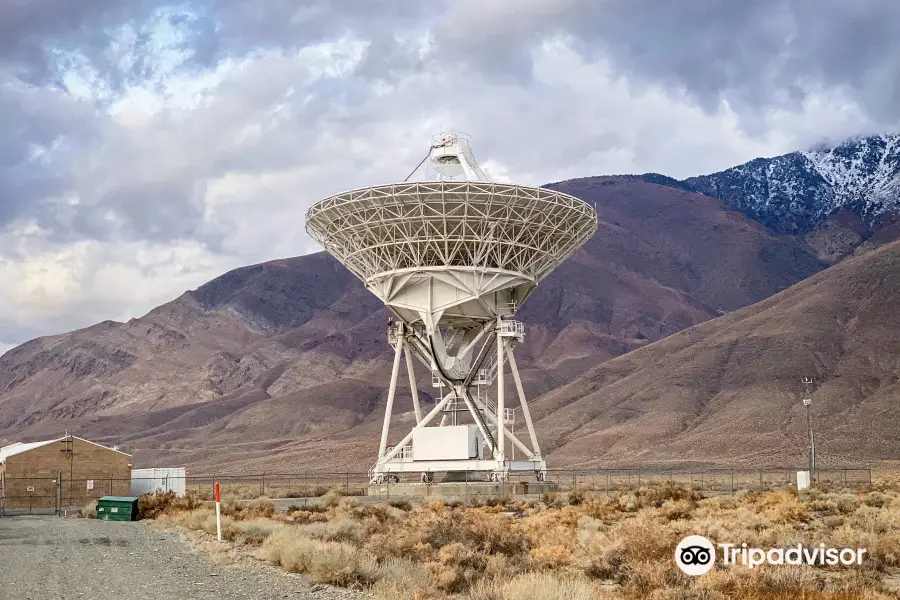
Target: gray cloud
173,156
26,27
287,23
756,55
41,130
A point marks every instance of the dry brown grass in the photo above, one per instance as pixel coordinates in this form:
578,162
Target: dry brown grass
89,510
618,546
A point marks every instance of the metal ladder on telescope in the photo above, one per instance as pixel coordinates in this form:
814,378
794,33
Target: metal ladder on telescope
482,423
452,406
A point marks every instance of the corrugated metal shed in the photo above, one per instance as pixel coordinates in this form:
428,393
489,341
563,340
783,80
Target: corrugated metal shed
147,481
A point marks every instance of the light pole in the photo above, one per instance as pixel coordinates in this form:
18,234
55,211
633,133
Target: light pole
807,402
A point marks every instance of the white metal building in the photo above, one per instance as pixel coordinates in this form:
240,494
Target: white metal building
148,481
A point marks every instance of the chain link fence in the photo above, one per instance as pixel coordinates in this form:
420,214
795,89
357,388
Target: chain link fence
55,495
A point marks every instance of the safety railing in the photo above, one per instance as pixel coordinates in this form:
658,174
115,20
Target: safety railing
512,328
404,455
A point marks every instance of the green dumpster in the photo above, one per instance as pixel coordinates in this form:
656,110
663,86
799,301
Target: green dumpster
117,508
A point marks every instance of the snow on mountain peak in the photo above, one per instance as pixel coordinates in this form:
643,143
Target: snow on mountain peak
796,192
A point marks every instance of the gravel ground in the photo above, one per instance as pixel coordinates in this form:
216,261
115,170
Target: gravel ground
50,558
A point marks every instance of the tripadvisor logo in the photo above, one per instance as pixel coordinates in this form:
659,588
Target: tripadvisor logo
696,555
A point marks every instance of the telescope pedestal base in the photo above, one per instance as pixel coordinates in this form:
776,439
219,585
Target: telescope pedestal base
462,490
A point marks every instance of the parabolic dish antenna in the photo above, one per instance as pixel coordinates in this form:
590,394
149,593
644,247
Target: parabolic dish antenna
453,255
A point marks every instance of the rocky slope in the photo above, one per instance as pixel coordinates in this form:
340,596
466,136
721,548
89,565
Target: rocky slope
270,364
730,388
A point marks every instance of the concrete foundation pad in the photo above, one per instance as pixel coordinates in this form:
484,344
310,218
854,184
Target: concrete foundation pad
461,490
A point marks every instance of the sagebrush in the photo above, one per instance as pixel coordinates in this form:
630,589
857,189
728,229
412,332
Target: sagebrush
569,548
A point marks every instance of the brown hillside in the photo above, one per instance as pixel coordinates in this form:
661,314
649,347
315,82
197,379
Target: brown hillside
267,364
729,390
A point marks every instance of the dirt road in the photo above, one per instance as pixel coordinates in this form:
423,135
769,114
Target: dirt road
50,558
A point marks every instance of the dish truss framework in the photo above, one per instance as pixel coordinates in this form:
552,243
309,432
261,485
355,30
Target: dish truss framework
453,255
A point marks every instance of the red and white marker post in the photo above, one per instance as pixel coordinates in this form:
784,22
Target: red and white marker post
218,514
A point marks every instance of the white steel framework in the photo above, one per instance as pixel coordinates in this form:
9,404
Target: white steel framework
453,258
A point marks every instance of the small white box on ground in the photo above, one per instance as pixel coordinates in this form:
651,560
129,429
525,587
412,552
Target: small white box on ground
453,442
802,480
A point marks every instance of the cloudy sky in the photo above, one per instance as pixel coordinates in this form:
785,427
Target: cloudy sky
146,147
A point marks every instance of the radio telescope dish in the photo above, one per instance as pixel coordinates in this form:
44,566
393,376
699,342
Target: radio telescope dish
453,255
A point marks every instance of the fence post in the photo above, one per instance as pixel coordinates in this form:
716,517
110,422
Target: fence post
218,499
607,483
262,484
347,483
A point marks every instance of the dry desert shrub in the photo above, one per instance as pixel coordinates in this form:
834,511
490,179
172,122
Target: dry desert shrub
256,531
489,533
393,590
686,594
302,516
645,538
487,588
150,506
641,578
204,519
342,529
457,567
547,586
551,557
256,509
334,563
408,573
328,500
602,557
792,582
656,496
89,510
510,550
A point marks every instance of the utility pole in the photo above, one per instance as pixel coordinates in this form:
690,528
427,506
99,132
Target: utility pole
807,402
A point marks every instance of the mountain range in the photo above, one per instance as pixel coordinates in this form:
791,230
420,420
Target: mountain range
797,192
836,198
680,329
